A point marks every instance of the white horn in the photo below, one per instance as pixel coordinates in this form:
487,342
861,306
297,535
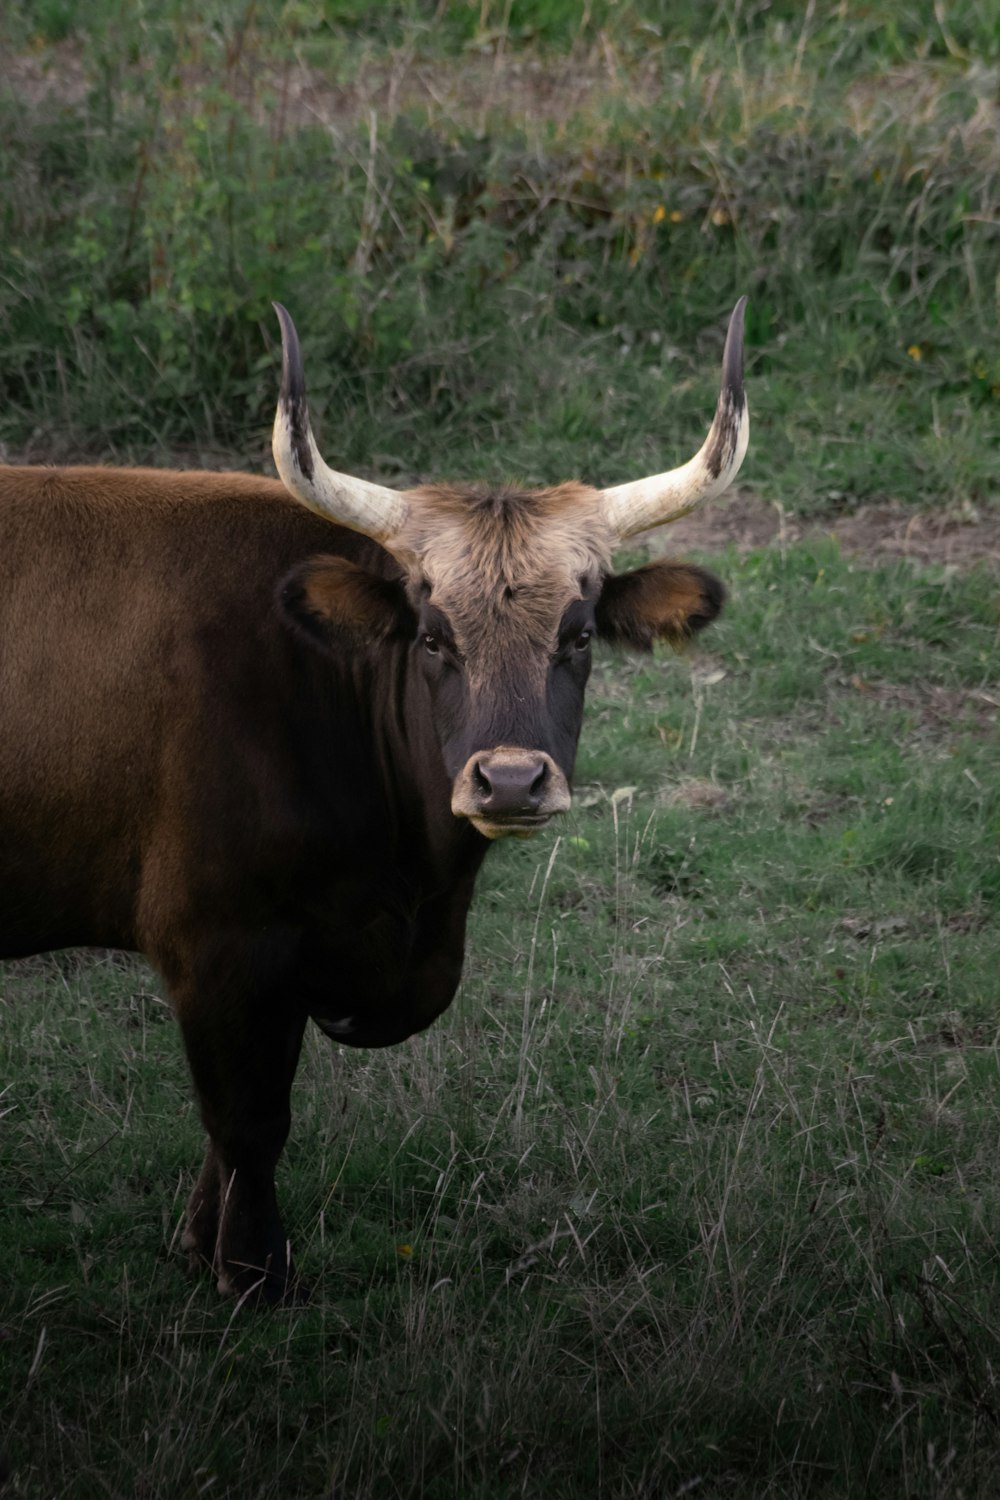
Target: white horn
371,508
666,497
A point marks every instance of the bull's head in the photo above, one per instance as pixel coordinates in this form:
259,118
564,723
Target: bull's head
501,592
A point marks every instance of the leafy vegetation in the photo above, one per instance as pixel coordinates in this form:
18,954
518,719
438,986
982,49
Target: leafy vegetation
693,1192
483,236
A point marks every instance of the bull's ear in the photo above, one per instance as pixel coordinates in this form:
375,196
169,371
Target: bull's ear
327,598
667,601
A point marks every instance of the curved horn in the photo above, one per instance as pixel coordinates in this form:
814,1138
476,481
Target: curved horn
666,497
378,512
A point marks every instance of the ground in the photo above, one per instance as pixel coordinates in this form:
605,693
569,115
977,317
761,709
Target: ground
746,520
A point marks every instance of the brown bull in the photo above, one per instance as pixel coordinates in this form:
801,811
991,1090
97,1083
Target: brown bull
263,733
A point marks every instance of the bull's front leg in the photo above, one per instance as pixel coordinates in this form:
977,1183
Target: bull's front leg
243,1046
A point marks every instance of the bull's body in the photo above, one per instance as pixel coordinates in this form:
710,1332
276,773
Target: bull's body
182,775
269,750
175,760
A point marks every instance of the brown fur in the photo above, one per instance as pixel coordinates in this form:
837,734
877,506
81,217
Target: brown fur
665,601
180,775
271,823
340,596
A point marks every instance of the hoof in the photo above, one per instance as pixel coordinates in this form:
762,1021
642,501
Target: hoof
255,1288
200,1255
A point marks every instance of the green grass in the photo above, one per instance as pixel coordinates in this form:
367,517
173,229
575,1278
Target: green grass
493,276
696,1182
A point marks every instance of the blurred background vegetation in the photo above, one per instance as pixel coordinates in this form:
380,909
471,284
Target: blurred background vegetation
510,231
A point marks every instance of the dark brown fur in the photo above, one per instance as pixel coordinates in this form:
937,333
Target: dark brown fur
665,601
225,742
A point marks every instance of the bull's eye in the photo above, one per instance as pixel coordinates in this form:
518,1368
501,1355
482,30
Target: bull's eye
583,640
431,644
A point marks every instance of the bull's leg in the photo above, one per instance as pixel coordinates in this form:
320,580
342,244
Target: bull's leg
243,1054
201,1228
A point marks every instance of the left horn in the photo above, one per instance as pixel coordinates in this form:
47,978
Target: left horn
378,512
666,497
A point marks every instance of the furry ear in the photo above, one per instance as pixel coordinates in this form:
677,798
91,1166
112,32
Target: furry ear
667,601
327,598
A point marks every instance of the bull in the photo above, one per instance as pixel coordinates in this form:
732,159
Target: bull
264,733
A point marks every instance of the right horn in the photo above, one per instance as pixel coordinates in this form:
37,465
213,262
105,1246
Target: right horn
370,508
666,497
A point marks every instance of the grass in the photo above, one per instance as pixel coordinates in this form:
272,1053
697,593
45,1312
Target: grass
693,1190
496,271
695,1186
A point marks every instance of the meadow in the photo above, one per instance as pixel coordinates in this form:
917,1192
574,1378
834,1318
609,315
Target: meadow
693,1190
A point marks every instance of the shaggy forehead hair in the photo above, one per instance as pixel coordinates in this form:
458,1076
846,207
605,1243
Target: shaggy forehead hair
506,562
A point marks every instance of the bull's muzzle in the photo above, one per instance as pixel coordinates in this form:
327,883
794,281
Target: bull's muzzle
509,791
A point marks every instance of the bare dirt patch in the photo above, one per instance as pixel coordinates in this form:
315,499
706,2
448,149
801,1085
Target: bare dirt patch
935,709
749,522
472,89
52,76
892,531
695,793
479,86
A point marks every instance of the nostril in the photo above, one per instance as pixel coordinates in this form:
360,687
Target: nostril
508,784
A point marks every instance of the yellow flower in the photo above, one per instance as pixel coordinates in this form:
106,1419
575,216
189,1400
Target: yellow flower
404,1249
659,214
676,216
915,352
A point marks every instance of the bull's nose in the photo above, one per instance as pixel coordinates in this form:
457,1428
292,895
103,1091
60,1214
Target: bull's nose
509,785
510,789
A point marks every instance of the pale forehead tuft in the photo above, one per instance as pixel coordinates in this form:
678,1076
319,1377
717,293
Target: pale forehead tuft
478,546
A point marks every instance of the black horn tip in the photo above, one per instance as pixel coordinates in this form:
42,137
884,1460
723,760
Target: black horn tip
732,359
293,380
292,405
723,439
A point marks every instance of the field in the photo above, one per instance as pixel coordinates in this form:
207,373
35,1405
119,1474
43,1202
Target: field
694,1190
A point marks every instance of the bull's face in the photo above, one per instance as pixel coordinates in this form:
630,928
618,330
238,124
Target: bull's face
501,594
508,597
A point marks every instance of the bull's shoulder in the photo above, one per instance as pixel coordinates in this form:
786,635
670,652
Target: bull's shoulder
215,516
109,489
